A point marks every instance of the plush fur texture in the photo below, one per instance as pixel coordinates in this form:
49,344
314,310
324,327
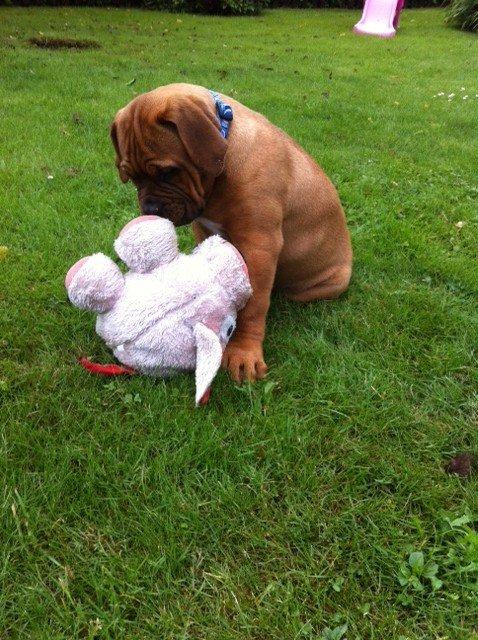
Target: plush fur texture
95,283
171,312
143,247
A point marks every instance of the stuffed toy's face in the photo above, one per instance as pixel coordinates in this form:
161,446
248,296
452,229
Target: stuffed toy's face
171,312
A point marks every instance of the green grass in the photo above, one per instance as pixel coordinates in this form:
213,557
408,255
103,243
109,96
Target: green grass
283,509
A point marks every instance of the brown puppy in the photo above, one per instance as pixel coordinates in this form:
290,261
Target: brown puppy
257,187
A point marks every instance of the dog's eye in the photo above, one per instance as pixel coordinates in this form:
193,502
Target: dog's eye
166,173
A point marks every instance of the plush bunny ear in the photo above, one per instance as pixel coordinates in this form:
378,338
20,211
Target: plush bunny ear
208,358
94,283
147,242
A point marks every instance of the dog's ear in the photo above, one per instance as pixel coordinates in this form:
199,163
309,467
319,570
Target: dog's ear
119,161
199,130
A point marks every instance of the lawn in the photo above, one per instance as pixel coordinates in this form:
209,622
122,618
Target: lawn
284,510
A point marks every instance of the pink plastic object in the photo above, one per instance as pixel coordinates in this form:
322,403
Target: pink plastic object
380,18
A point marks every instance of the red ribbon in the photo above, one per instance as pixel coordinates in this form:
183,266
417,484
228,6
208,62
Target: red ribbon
106,369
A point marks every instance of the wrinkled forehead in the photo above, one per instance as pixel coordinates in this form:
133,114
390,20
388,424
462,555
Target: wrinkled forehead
144,142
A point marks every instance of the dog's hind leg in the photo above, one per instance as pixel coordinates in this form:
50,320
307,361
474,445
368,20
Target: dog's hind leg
331,285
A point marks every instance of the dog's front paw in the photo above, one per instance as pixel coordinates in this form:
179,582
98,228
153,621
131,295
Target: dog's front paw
244,360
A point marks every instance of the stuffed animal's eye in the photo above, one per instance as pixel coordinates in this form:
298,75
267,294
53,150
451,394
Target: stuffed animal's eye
227,328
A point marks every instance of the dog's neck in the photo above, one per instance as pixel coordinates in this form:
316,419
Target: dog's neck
224,115
213,227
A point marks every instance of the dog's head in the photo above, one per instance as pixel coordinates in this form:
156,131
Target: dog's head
168,143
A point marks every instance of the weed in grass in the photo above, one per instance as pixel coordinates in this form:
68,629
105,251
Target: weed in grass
449,566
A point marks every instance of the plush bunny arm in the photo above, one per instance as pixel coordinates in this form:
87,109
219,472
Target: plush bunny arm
94,283
208,358
146,243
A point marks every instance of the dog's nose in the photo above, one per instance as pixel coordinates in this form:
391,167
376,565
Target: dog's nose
150,208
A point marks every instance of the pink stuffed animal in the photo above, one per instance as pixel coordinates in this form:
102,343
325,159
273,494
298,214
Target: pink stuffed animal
170,312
